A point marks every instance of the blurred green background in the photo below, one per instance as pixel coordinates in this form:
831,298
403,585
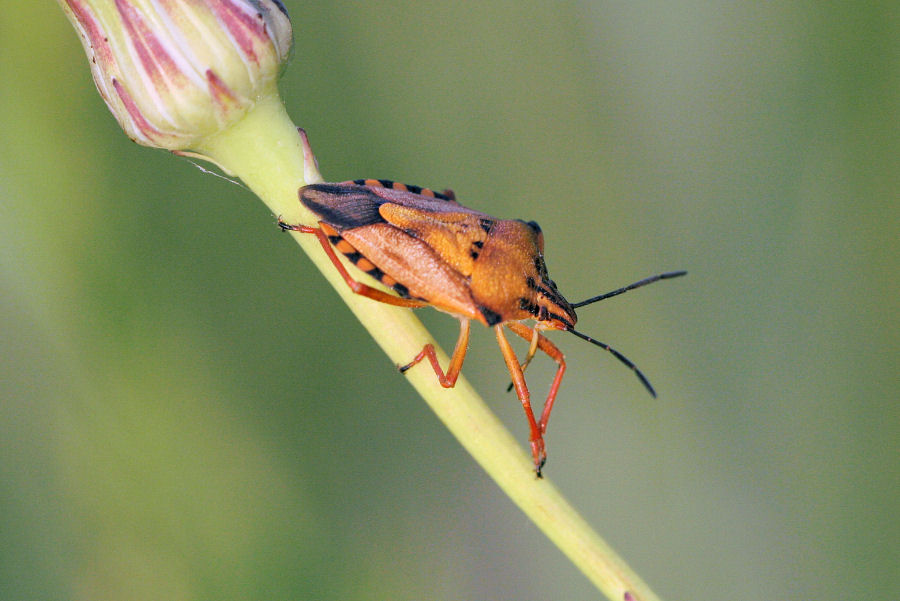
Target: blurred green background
186,412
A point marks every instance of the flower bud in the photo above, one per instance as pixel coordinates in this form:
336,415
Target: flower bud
175,71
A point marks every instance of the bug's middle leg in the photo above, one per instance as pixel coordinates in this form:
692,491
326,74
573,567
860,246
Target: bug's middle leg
448,379
515,371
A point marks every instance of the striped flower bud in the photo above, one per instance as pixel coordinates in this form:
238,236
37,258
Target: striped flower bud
175,71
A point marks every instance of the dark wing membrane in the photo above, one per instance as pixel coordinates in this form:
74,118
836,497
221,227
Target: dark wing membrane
343,206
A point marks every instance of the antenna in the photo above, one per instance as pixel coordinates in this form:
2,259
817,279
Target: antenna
621,358
644,282
653,278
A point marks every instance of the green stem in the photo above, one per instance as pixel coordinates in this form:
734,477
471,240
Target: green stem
265,151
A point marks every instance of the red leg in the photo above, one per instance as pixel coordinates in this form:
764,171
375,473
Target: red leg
357,287
515,371
554,353
447,380
532,349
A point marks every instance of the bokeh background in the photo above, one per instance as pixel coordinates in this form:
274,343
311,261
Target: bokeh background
186,412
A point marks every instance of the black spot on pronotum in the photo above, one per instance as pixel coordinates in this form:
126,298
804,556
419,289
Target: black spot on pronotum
492,318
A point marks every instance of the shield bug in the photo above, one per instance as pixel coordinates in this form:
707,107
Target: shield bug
431,250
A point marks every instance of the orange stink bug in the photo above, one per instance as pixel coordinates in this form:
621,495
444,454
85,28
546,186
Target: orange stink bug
431,250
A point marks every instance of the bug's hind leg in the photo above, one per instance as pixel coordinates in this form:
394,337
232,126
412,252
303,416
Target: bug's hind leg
538,451
357,287
448,379
544,344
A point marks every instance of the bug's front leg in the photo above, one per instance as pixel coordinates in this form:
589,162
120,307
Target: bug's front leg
448,379
357,287
543,343
538,450
532,349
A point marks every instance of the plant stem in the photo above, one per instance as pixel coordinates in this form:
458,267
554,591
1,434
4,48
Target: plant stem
265,151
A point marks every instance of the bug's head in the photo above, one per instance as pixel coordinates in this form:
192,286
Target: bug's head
543,301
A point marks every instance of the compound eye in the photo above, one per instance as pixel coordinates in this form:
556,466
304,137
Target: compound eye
538,234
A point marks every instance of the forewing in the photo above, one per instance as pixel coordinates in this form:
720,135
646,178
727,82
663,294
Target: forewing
456,237
389,253
412,263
